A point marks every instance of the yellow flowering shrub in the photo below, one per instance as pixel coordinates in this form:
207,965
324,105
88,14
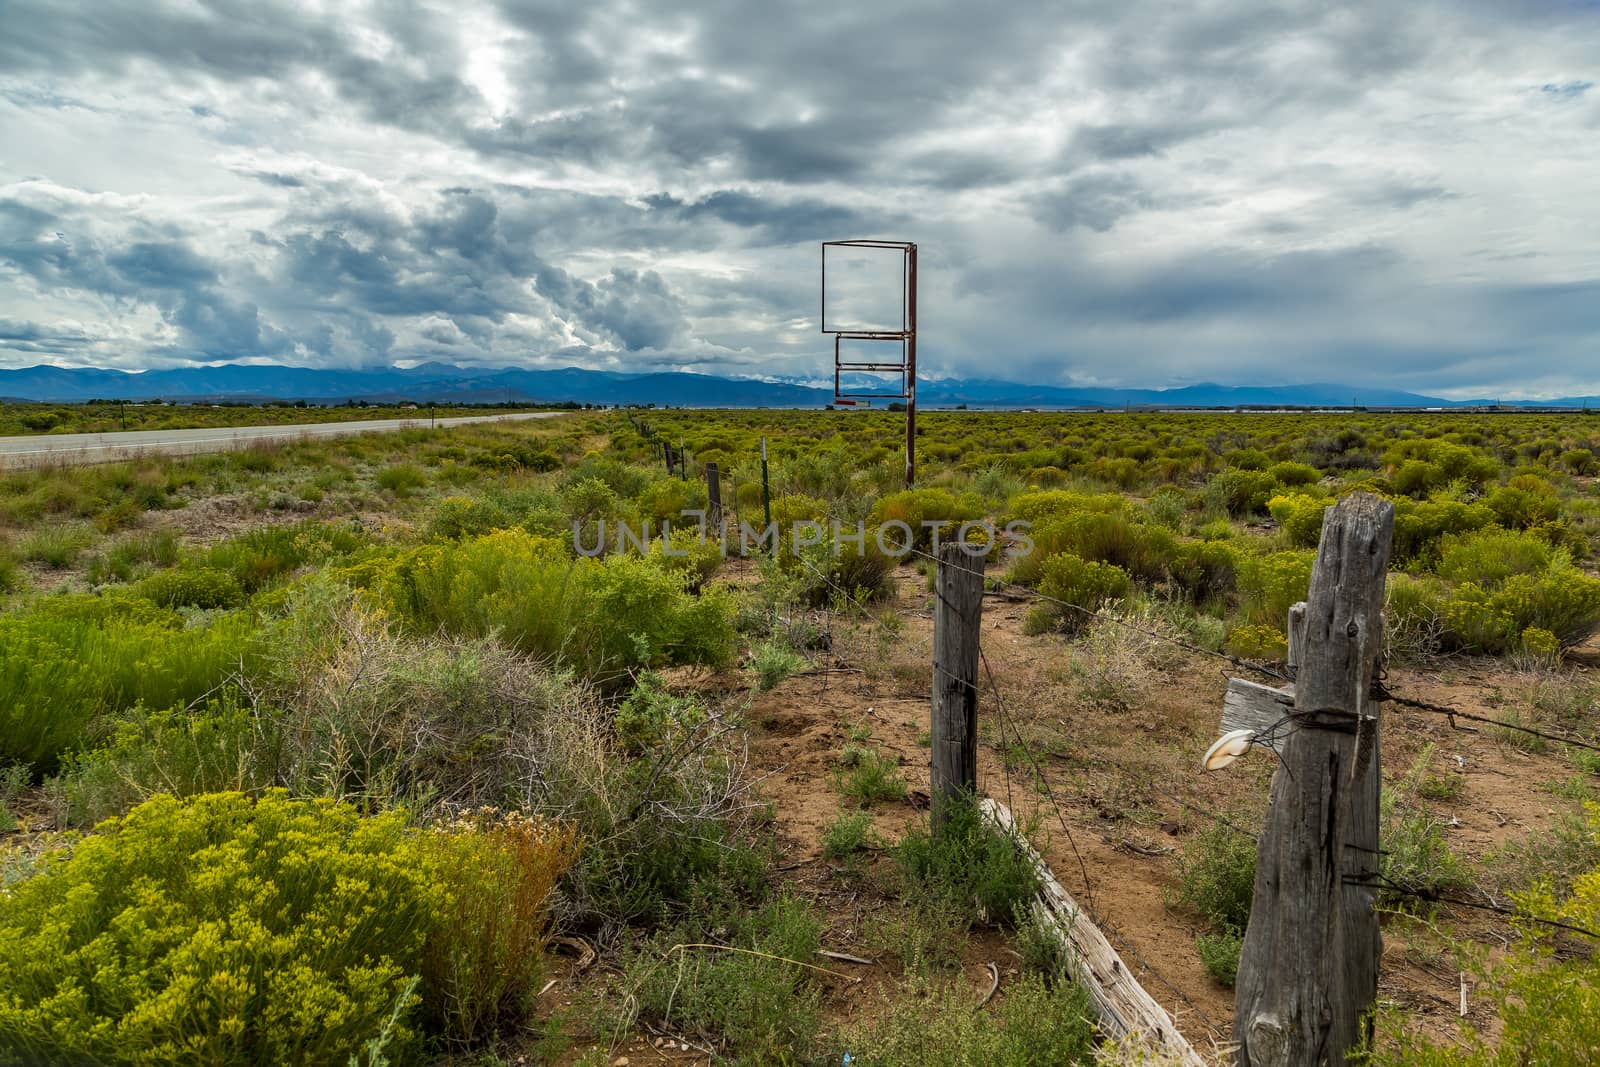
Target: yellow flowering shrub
1258,643
1541,644
229,930
219,930
1562,601
1300,516
1270,584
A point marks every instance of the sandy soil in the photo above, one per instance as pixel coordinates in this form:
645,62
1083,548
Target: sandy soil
1121,760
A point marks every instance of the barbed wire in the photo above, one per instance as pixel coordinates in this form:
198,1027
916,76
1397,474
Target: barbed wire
1382,692
1088,904
1380,689
1379,880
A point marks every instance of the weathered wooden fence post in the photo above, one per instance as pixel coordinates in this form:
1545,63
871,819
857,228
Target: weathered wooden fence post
766,489
714,500
957,611
1309,968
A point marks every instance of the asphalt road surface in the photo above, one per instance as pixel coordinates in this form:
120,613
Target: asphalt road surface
70,448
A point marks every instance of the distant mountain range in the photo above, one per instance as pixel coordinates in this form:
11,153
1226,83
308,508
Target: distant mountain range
467,385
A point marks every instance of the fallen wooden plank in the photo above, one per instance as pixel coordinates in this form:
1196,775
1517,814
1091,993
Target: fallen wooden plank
1119,1000
1255,707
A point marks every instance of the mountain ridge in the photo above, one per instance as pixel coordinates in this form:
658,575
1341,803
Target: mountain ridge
458,384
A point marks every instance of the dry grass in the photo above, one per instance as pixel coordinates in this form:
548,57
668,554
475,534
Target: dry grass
499,872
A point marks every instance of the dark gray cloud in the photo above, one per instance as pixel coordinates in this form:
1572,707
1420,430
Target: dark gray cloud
43,340
1092,200
1139,193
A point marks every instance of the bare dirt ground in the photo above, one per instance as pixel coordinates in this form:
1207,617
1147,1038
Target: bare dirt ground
1117,729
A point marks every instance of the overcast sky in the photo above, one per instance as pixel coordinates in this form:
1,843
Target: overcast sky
1132,193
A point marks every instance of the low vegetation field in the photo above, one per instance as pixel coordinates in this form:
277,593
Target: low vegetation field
366,751
107,416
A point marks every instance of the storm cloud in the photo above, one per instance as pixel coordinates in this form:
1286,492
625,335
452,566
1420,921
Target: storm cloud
1135,194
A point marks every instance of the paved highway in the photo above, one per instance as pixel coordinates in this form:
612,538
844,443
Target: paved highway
68,448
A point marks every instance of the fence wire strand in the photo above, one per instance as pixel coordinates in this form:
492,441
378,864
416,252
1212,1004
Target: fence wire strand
1380,690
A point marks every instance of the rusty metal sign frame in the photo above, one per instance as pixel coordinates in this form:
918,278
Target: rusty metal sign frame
906,366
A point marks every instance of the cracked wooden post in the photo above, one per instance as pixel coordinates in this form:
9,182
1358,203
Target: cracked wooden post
957,610
1308,972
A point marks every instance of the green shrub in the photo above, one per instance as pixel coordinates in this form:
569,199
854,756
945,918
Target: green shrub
371,712
1292,474
1418,478
456,517
484,955
204,587
869,776
402,479
1547,1002
1489,557
1219,955
1419,526
10,573
590,500
916,506
265,555
13,780
1579,461
774,660
1167,507
1524,502
664,834
1240,492
652,716
1430,463
134,554
56,547
1540,646
598,616
1562,601
862,572
1037,1023
847,835
221,747
1043,946
757,997
1035,508
1413,616
968,865
1217,877
229,930
73,658
667,499
1101,537
1247,459
1206,570
1087,585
